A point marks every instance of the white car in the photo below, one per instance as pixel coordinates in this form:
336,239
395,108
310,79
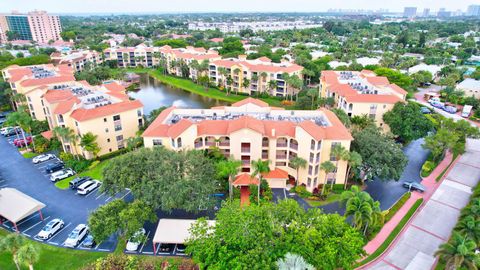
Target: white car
50,229
88,187
42,158
4,130
62,174
76,236
133,243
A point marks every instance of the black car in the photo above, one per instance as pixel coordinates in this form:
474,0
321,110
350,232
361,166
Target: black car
181,248
75,183
57,166
166,248
89,242
414,186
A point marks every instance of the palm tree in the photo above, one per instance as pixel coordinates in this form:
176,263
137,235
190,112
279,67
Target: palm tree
293,262
348,194
297,163
67,135
89,142
229,168
223,73
340,153
22,119
11,244
364,210
194,65
354,161
459,253
473,209
327,167
259,166
28,254
272,85
245,83
229,83
470,227
263,75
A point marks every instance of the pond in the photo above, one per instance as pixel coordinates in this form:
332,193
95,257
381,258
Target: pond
154,94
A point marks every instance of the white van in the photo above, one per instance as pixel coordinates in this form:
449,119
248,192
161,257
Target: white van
467,109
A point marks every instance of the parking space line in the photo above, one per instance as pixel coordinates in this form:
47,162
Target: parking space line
27,219
36,224
108,199
98,245
58,233
26,234
53,243
126,194
6,226
144,242
102,249
100,196
91,192
2,186
147,252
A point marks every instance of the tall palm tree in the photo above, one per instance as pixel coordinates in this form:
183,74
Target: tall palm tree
194,65
259,166
297,163
22,119
245,83
229,168
66,135
263,75
223,73
348,194
459,252
470,227
354,161
272,85
89,142
327,167
363,209
229,83
28,254
293,262
11,244
340,153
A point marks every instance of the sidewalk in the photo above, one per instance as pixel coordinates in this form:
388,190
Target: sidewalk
430,185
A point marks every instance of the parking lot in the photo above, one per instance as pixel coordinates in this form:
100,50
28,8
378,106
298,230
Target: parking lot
31,179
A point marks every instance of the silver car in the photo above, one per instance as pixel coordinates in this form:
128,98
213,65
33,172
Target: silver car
62,174
42,158
50,229
76,236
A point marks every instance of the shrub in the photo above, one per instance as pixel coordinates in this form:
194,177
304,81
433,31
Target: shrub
302,191
112,154
77,163
394,209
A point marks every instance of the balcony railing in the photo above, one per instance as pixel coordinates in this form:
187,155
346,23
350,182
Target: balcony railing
224,144
264,156
281,144
294,146
245,149
246,162
209,143
281,156
198,145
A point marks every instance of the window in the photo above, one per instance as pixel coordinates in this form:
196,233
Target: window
157,142
139,113
315,182
119,138
309,181
310,169
104,119
108,140
179,142
60,118
116,117
106,130
312,144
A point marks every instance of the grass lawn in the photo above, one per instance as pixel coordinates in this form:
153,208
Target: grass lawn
30,155
95,173
192,87
51,257
393,234
333,197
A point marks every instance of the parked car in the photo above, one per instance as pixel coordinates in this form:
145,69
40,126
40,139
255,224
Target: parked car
89,242
62,174
166,248
88,187
20,142
425,110
50,229
133,242
439,105
414,186
4,130
450,109
75,183
181,248
76,236
54,167
42,158
467,109
12,131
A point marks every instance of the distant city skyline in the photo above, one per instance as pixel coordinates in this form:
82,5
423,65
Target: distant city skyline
185,6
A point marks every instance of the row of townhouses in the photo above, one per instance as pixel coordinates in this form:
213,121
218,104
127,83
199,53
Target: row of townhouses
52,94
78,60
229,72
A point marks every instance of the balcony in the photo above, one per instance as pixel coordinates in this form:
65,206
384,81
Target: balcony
245,149
264,156
282,144
209,143
198,145
294,146
246,162
281,156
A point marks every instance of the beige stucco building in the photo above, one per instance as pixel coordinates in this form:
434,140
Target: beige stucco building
78,60
250,130
33,82
361,93
105,111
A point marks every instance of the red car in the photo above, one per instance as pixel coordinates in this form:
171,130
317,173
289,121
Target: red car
21,142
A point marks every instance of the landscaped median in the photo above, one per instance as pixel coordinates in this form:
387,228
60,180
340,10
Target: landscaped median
392,234
94,172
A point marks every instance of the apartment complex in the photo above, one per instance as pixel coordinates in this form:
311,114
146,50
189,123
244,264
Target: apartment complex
38,26
250,130
254,76
361,93
32,82
235,27
78,60
106,111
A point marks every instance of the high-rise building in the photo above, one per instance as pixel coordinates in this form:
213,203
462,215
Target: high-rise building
37,26
473,10
426,12
409,12
444,13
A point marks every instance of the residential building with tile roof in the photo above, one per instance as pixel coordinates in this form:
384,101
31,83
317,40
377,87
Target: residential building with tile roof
250,130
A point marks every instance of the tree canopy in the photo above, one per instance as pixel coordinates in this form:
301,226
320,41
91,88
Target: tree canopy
265,233
407,121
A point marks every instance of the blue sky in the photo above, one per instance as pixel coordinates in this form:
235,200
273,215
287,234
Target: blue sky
150,6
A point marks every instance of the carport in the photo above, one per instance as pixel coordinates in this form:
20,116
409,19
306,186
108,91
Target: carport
15,205
173,231
276,178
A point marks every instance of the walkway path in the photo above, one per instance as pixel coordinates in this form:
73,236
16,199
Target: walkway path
433,223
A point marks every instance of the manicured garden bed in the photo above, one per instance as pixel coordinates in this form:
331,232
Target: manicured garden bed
30,155
332,197
95,173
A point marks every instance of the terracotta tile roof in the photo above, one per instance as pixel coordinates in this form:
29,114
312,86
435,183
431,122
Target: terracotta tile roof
49,80
177,129
276,174
65,106
246,122
53,96
337,131
255,101
371,98
317,132
114,87
282,128
83,114
378,80
398,89
47,134
329,76
213,127
157,128
216,40
245,179
368,72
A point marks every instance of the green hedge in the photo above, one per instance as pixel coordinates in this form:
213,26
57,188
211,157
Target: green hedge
113,154
393,234
394,209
